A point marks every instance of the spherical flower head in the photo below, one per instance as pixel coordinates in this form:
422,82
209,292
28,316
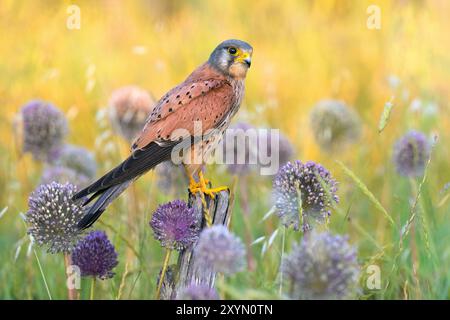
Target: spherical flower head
334,124
175,225
198,292
322,266
305,191
238,149
129,108
43,127
411,152
286,150
282,148
52,216
219,250
95,256
63,175
79,159
170,176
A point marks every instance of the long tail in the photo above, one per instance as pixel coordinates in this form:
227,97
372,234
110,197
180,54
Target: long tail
112,184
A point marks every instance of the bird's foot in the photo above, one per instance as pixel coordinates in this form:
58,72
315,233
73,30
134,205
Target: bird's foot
195,186
209,191
202,186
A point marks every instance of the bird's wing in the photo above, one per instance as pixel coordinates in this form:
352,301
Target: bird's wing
139,162
207,102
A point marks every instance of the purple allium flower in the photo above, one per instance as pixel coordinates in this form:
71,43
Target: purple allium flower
63,175
304,190
411,152
198,292
322,266
43,127
79,159
52,216
170,176
219,250
95,256
129,108
240,148
334,124
175,225
284,149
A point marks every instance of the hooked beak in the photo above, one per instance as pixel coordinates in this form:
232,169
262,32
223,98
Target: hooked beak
248,61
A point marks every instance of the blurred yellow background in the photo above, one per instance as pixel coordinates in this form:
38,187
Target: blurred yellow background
304,51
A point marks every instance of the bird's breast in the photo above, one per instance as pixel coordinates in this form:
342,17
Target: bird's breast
238,90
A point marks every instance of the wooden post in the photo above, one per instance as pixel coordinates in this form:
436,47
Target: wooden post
184,273
72,293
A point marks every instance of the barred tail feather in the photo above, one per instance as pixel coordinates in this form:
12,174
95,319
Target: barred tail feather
113,183
105,198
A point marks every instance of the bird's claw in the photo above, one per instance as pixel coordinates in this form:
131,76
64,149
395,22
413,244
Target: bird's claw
202,187
208,191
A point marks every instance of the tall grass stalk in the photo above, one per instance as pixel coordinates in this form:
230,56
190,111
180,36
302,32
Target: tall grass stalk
42,275
92,292
163,272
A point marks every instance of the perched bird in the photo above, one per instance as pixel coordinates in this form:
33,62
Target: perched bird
189,120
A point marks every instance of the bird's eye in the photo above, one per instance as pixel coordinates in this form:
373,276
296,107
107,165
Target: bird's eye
232,50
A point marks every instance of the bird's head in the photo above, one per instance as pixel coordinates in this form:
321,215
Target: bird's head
233,58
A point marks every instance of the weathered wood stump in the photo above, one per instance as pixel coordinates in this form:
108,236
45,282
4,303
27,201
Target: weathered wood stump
184,272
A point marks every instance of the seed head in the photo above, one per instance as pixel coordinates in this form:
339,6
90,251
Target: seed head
334,124
411,152
129,108
52,216
219,250
79,159
43,128
322,266
304,190
175,225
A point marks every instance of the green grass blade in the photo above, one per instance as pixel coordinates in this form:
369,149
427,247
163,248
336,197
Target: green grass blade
42,275
385,115
366,192
3,211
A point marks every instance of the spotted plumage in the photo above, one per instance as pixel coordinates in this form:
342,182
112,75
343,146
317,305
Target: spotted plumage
195,114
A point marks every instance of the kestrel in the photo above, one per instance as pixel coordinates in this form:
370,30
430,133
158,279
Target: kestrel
195,114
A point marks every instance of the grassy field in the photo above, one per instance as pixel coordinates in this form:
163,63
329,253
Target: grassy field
304,51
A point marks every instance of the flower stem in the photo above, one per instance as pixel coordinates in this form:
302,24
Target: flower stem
281,260
91,297
163,272
72,293
243,192
43,275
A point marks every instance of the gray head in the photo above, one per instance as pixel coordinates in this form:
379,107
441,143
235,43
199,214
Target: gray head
232,57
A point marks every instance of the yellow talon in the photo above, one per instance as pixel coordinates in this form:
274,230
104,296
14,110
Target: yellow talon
212,192
202,186
193,185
